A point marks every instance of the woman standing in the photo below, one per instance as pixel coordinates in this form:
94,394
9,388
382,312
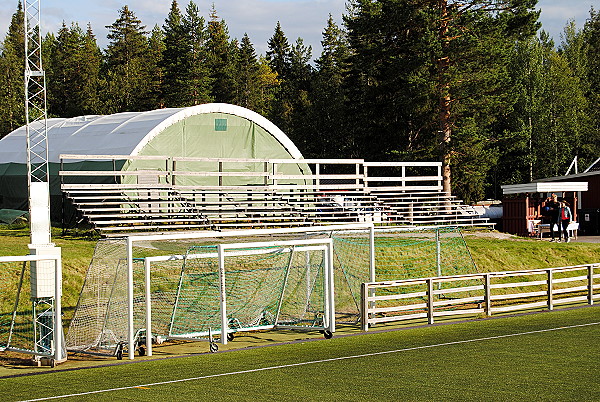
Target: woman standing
564,218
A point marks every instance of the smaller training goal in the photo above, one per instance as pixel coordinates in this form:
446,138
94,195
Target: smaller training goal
219,290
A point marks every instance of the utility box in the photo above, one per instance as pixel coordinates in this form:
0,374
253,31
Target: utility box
43,273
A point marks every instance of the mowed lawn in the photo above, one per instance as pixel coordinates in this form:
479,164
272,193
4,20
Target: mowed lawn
543,356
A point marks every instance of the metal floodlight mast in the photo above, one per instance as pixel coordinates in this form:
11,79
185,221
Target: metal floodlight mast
45,278
35,96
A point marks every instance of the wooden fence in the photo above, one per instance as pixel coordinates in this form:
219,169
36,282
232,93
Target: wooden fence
485,293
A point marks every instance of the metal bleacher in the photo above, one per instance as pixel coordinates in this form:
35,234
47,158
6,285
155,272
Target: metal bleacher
327,192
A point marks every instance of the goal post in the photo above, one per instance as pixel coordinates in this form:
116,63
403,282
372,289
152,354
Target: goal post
260,286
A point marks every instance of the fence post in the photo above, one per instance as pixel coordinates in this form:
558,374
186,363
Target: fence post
591,284
430,301
550,303
372,262
364,311
488,295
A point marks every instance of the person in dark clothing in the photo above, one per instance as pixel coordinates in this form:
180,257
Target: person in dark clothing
553,207
564,218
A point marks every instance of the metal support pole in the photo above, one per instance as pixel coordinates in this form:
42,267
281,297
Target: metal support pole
130,329
372,272
58,332
438,252
223,301
331,288
148,307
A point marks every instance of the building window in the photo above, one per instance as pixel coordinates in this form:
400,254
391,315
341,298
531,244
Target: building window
220,124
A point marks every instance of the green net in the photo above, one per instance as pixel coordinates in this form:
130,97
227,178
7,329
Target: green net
19,331
15,292
263,287
399,254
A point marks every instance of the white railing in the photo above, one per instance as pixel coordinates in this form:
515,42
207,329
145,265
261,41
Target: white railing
343,173
486,293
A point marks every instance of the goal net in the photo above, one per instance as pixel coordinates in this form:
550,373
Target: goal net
272,286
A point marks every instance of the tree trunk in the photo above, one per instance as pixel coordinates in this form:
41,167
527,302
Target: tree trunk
445,133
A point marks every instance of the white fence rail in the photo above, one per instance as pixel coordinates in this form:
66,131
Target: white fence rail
486,293
317,174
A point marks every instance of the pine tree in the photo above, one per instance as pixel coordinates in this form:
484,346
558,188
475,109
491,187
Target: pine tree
73,73
401,47
175,59
328,97
156,48
128,84
247,85
591,37
12,62
199,79
278,56
220,59
296,93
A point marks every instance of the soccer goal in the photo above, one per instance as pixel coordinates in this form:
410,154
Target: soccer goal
266,287
228,288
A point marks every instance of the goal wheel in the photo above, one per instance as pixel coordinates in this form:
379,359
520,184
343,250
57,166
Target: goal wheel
142,351
230,336
213,347
327,334
120,354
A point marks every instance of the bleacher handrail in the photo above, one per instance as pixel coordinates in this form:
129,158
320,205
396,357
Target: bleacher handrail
316,179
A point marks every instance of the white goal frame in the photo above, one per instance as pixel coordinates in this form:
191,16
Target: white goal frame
235,249
132,240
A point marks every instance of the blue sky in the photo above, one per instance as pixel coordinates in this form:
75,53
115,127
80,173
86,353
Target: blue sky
299,18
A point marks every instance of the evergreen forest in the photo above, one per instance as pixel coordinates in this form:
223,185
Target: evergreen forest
475,84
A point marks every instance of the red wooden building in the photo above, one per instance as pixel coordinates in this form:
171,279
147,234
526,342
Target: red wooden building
522,203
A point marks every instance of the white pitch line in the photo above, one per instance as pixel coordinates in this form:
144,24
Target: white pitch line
309,362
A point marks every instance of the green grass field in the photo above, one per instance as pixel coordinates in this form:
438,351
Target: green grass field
487,359
543,356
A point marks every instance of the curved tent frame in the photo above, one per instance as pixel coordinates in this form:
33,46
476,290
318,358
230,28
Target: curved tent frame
124,133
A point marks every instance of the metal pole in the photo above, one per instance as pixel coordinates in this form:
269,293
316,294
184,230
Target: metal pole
130,329
372,273
148,308
58,331
223,301
438,252
331,289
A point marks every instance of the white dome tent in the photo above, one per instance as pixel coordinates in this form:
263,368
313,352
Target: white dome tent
205,131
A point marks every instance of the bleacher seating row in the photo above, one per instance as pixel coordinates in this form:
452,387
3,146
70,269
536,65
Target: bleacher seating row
117,208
